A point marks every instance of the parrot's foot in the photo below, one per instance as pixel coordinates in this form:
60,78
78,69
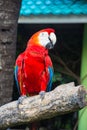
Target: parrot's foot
42,94
20,100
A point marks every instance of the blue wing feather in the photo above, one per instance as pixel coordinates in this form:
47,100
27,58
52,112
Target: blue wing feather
16,79
49,87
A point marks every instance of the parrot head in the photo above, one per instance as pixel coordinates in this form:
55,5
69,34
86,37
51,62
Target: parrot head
45,38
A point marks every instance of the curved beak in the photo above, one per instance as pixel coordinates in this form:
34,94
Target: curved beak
50,44
52,41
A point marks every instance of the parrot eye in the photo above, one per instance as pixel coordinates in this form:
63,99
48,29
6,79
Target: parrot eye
44,34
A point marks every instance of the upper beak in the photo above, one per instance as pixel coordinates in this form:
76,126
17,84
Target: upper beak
52,41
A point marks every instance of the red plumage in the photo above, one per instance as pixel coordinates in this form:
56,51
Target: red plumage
33,74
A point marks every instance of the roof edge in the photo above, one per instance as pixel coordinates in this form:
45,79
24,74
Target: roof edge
52,19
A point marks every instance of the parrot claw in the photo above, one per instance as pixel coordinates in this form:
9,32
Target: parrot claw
42,94
20,100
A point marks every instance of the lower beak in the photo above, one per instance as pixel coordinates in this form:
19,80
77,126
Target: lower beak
49,45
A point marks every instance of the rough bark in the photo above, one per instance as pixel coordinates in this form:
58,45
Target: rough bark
64,99
9,11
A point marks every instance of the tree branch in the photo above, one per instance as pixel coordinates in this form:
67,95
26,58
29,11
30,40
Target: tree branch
66,68
64,99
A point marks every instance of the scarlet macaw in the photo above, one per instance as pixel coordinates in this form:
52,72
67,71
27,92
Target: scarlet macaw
33,67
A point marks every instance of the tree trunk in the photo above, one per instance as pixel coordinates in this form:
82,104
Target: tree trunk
9,11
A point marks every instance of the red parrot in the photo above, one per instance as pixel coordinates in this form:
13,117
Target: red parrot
33,67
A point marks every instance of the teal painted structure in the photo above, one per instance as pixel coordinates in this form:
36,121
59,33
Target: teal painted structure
54,7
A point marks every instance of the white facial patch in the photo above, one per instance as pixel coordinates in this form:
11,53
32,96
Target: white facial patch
43,38
46,38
